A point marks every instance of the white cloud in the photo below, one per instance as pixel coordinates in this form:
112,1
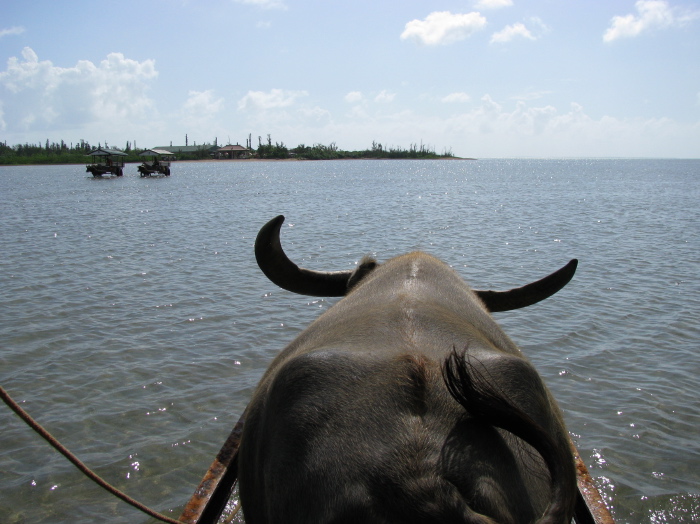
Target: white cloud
651,14
538,27
456,97
492,4
264,4
273,99
484,127
443,27
385,97
527,130
202,104
519,30
121,85
200,114
508,33
17,30
38,95
353,97
494,128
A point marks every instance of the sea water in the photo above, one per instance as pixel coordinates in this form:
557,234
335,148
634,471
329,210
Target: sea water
134,322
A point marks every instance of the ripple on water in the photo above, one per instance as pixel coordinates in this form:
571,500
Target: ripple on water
136,323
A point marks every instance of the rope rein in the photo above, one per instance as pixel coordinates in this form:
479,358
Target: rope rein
77,463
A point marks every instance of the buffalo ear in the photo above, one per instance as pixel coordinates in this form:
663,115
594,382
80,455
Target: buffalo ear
364,268
529,294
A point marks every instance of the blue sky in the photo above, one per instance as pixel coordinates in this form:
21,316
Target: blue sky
482,78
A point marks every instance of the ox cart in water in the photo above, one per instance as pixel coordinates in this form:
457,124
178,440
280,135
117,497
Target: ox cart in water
310,451
156,162
105,162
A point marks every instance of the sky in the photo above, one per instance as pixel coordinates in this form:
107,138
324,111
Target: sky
478,78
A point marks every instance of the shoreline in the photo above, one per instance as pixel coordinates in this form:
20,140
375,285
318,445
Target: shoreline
175,162
313,160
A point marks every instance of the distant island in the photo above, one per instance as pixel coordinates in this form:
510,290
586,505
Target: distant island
63,153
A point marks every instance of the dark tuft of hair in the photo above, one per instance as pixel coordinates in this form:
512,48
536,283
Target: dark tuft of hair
364,268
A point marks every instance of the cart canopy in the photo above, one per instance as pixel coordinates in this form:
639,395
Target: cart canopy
156,152
106,152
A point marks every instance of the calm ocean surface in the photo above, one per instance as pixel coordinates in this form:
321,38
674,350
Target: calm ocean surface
134,321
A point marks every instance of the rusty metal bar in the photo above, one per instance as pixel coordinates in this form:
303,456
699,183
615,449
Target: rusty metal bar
210,498
590,506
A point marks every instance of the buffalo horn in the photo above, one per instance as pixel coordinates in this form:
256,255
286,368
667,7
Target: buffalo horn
287,275
529,294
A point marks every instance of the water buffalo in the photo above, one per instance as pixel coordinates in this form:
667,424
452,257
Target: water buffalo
405,402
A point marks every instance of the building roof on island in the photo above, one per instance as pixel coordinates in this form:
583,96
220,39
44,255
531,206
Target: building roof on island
232,148
187,149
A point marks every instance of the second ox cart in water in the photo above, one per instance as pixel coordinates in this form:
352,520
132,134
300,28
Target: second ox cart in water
156,162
